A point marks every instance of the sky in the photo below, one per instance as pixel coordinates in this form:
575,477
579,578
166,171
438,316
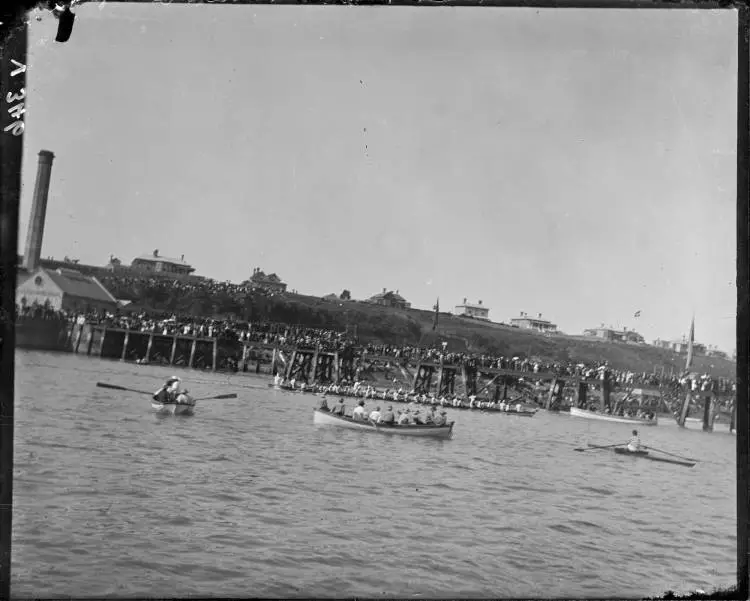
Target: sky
575,163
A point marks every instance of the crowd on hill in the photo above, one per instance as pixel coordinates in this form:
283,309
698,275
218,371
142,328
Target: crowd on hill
133,286
328,340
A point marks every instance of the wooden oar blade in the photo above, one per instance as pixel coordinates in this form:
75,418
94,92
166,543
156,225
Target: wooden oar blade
112,386
115,387
218,397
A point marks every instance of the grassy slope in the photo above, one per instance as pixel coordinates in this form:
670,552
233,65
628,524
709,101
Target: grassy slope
413,326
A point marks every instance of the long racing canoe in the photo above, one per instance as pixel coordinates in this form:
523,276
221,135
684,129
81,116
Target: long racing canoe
326,418
617,419
646,455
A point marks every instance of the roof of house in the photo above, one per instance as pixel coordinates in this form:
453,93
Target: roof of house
532,320
76,284
473,306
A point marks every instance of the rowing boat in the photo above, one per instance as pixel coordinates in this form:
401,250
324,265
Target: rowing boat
329,419
617,419
184,406
646,455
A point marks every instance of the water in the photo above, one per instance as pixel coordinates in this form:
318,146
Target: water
248,497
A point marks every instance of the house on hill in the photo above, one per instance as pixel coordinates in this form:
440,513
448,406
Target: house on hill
389,299
64,289
156,263
270,282
615,335
530,323
478,311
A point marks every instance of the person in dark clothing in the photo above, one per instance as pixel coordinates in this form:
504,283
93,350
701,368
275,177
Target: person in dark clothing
339,409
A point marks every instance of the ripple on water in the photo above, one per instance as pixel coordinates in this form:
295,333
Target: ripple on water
250,495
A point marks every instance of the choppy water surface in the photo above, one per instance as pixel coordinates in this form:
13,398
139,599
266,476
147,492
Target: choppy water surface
248,497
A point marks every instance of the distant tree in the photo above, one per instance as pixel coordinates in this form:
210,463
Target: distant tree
345,295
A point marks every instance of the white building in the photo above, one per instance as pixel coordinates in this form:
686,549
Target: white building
478,311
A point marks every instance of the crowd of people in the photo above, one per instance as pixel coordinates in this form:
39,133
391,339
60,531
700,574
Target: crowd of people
328,340
133,286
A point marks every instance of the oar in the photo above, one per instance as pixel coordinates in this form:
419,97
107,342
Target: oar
609,446
671,454
114,387
218,396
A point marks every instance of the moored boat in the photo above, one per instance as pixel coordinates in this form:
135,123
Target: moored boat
329,419
617,419
647,455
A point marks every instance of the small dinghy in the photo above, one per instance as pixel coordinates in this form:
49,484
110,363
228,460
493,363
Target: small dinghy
185,405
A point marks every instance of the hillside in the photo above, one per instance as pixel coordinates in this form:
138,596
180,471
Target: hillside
382,325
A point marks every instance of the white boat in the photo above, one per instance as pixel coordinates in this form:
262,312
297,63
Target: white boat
329,419
184,406
617,419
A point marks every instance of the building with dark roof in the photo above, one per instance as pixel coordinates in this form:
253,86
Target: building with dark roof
270,282
64,289
158,264
389,299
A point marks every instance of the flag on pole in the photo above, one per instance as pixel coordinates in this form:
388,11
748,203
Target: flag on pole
637,313
437,311
691,339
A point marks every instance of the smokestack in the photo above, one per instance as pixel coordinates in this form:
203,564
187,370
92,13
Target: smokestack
38,211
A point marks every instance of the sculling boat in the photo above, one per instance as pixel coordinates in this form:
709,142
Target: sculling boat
329,419
646,455
617,419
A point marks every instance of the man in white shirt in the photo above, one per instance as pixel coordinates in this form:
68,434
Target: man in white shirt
375,415
634,444
359,412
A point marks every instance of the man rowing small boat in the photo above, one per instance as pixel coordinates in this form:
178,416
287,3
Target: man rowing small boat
169,392
634,444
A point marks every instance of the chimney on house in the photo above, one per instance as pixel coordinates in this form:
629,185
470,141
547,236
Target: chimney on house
156,252
540,315
35,233
182,258
480,302
383,290
464,300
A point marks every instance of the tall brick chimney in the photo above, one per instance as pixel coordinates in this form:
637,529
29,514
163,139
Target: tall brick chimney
35,233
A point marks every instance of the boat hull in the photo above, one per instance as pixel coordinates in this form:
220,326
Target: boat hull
172,408
329,419
646,455
615,419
